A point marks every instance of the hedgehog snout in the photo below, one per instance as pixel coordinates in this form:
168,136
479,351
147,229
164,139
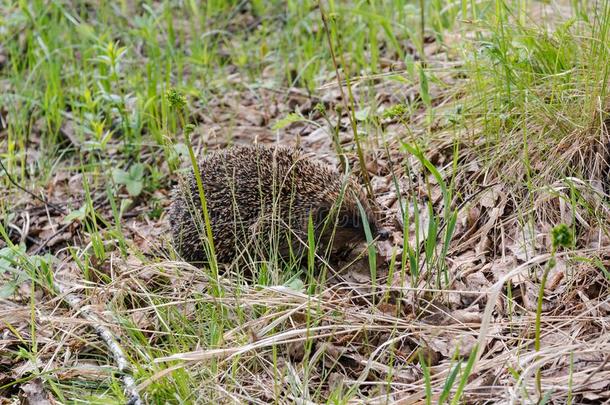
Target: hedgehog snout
383,234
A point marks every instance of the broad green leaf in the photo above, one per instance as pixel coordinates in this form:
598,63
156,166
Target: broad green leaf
296,284
423,86
120,176
136,172
289,119
8,288
8,256
362,115
134,187
78,214
132,179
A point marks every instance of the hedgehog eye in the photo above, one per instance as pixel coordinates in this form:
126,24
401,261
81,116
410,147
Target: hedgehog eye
322,214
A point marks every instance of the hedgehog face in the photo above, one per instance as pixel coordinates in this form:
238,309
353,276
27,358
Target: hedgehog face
344,225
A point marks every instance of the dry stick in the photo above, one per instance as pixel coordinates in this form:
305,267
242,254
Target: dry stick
75,302
45,242
598,369
293,335
54,207
351,113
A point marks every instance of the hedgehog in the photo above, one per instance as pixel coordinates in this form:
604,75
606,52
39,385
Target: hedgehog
260,197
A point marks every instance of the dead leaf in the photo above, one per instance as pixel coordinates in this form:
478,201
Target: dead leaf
385,249
489,197
524,242
69,132
556,274
447,343
471,315
530,299
33,393
252,116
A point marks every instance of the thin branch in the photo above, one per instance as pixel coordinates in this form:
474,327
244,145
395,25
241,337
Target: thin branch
45,242
54,207
96,322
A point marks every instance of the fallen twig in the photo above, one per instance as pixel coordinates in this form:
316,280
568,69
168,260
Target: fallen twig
75,302
54,207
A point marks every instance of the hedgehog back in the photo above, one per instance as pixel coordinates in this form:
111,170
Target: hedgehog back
250,191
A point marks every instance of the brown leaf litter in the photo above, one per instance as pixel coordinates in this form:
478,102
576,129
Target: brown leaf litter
356,332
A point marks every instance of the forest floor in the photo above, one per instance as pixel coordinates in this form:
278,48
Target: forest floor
484,137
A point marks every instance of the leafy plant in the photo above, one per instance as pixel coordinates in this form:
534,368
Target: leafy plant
9,257
133,180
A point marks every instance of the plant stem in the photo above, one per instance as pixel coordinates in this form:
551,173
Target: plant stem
349,107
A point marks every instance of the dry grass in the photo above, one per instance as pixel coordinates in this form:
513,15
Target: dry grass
452,311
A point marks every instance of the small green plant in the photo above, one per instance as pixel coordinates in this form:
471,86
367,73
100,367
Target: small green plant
177,102
175,99
440,225
18,267
133,179
76,215
397,111
287,120
8,260
561,236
